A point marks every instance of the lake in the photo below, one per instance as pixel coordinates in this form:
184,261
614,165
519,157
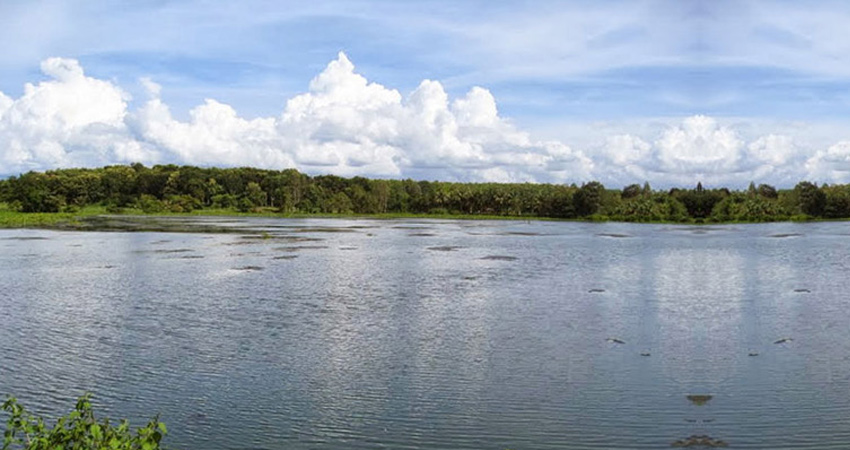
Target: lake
430,334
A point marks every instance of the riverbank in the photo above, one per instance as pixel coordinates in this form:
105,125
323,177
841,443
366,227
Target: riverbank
88,218
96,217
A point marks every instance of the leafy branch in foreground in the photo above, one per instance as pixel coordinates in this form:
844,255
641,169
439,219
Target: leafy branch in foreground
79,430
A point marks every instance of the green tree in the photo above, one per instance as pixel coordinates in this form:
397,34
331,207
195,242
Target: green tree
810,198
588,198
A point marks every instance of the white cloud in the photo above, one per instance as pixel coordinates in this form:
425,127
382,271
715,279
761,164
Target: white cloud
68,120
830,165
699,148
346,125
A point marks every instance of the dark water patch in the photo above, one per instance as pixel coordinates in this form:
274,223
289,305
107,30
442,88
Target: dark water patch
239,255
802,291
161,241
699,440
471,277
299,248
150,224
596,291
499,258
25,238
783,235
347,247
614,235
285,257
175,250
699,399
615,340
784,340
410,227
323,230
108,266
445,248
248,268
521,233
190,257
422,234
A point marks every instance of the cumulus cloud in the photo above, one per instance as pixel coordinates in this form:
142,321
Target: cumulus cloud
344,124
68,120
699,148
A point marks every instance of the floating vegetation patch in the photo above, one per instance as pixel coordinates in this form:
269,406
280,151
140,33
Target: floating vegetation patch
191,257
802,291
108,266
175,250
147,223
323,230
783,235
699,400
614,235
470,278
253,240
262,236
409,227
699,440
298,248
285,257
445,248
248,268
499,258
596,291
25,238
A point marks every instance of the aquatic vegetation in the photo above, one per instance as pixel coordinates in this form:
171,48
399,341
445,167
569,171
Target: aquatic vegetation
499,258
445,248
80,429
699,441
699,400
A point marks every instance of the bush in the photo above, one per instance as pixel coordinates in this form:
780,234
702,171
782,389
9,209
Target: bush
78,430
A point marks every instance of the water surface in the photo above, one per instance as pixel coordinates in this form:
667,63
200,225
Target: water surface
356,334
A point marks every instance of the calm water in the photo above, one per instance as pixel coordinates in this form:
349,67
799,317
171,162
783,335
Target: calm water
332,334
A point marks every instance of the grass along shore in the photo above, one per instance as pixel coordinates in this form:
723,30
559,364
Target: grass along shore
10,218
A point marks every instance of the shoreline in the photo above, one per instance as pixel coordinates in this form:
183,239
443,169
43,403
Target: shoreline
96,218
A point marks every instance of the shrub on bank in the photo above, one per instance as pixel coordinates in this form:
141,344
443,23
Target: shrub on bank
79,430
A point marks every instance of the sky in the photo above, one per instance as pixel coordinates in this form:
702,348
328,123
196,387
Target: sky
564,91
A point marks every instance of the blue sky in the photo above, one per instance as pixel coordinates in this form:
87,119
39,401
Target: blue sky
621,91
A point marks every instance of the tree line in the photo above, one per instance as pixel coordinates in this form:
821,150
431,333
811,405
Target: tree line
171,188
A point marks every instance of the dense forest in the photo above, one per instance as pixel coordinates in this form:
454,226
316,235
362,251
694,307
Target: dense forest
170,188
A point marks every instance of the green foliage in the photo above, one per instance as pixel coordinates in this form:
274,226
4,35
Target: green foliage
811,200
588,199
79,430
183,189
